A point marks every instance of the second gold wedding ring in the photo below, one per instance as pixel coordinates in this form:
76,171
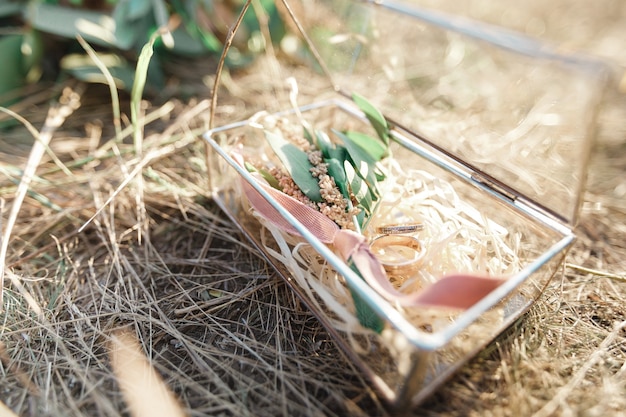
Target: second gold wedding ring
399,229
399,254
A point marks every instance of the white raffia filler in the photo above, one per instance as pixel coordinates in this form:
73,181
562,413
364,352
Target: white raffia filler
457,237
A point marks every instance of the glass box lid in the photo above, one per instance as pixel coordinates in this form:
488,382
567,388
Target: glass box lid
518,114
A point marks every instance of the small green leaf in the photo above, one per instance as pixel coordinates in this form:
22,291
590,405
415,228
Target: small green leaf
369,144
324,144
271,180
32,53
128,32
67,22
307,134
297,164
359,187
335,170
249,167
366,315
366,203
360,218
338,152
356,152
362,161
11,74
380,175
378,121
139,83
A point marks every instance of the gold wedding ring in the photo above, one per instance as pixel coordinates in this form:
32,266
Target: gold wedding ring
399,254
399,229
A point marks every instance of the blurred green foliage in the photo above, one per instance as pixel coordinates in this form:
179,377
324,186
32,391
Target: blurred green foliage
38,37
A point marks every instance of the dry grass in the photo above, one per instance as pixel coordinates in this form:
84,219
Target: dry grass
225,334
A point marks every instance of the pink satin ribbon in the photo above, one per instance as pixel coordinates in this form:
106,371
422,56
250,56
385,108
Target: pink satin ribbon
456,291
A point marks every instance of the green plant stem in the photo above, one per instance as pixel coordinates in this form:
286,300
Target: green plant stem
115,101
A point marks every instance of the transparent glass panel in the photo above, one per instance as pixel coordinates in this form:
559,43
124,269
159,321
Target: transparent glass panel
403,367
501,102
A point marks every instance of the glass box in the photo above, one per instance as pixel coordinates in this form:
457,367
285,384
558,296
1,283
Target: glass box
491,132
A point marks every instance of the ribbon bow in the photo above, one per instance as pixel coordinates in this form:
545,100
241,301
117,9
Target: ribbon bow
456,291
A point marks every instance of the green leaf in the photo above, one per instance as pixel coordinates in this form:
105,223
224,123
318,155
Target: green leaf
271,180
356,152
360,218
249,167
296,161
141,71
380,175
139,83
366,315
307,134
324,144
128,32
378,121
369,144
32,52
359,187
335,170
11,74
338,152
67,22
362,161
20,57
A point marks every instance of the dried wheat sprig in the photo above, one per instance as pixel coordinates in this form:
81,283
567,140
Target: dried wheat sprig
603,274
68,103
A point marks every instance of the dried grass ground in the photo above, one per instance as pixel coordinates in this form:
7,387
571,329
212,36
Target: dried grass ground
228,337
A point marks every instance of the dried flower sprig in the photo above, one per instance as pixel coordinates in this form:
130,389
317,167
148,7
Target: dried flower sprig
339,179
